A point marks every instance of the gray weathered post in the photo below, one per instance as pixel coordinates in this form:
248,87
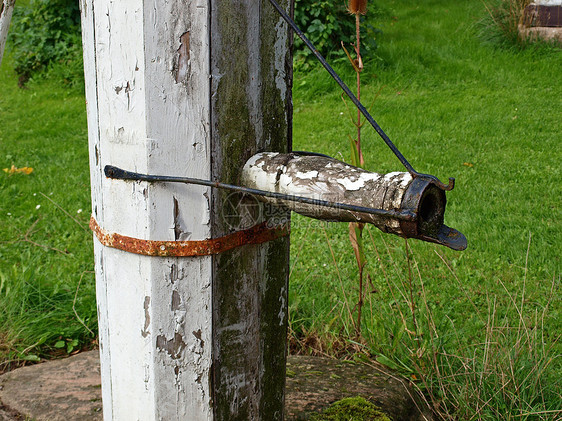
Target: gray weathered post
6,10
186,88
251,85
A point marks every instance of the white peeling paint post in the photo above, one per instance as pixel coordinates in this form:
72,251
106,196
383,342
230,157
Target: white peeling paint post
6,11
186,88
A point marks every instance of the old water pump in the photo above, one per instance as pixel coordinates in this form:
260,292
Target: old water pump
411,207
409,204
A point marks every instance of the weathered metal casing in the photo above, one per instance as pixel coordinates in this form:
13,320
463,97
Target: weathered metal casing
419,201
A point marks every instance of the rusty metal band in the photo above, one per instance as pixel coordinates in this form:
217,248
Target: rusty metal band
258,234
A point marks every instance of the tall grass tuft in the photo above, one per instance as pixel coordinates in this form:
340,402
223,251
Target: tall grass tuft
504,370
40,318
504,19
500,366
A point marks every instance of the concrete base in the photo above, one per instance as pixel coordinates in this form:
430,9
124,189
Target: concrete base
67,389
548,34
70,389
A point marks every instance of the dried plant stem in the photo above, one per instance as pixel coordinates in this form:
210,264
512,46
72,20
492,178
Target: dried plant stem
29,232
356,230
360,302
80,224
338,272
411,287
360,66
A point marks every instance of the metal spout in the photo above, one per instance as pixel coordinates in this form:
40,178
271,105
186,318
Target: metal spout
426,200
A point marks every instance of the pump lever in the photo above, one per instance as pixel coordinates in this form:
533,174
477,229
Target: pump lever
356,101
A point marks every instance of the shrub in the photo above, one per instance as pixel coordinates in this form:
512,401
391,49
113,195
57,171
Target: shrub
44,34
326,23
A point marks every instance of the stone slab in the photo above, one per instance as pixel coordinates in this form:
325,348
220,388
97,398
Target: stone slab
542,32
69,389
59,390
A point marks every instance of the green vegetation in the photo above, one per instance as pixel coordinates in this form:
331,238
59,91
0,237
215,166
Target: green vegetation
326,24
478,331
503,20
46,285
351,409
45,38
458,322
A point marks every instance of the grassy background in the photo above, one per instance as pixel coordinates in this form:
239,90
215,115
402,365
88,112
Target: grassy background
455,107
457,322
43,252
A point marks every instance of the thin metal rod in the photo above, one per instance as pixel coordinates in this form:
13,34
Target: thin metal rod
347,91
120,174
358,103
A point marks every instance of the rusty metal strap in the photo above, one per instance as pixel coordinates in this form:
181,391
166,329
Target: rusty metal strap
258,234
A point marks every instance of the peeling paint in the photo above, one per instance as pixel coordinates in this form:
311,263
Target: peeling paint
182,66
149,375
146,377
174,274
309,175
144,331
180,232
176,301
128,91
197,334
323,178
174,347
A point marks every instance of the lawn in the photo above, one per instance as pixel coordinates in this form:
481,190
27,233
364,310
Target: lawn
477,330
45,243
455,106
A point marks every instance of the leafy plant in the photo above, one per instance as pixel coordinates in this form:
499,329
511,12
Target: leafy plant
326,24
69,344
44,34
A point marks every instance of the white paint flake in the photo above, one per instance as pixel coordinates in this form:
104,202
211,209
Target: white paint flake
309,175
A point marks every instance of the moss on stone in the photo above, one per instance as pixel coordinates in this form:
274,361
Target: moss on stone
351,409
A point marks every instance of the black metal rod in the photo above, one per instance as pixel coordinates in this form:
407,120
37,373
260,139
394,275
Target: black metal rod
120,174
347,91
358,103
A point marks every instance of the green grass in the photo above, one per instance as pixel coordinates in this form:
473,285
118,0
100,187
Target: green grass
457,106
478,331
43,252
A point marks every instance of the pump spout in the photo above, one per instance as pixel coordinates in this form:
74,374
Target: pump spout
427,201
327,179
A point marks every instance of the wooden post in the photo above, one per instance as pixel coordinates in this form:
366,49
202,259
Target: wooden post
6,10
186,88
